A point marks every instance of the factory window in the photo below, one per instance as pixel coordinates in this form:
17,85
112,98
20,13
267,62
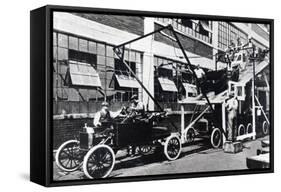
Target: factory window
186,23
165,80
227,33
82,57
95,61
123,80
120,67
198,29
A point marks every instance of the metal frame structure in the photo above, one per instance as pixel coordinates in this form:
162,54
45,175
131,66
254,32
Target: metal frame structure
120,49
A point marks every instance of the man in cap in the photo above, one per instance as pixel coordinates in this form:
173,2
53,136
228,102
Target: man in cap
104,115
136,105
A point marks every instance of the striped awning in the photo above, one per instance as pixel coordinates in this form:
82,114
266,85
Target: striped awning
83,74
125,81
167,84
190,88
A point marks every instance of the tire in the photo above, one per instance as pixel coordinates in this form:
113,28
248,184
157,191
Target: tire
98,157
249,128
145,149
216,137
189,135
69,151
172,147
265,128
241,130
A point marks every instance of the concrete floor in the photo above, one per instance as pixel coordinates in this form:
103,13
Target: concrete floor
194,158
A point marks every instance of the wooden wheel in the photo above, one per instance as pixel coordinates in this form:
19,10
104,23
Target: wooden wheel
249,128
99,162
216,137
265,128
145,149
172,147
241,130
68,157
189,135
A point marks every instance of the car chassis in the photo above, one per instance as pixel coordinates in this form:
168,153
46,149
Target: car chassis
96,148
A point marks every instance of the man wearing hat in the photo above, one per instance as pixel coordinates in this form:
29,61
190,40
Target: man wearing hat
104,115
136,105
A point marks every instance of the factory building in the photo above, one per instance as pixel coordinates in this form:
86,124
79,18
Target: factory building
86,70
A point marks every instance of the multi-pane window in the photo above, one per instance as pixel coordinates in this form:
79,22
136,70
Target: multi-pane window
227,33
169,77
100,56
199,29
125,83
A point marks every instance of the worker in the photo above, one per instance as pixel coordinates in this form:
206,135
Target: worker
232,107
104,115
137,106
229,56
201,78
249,44
251,48
137,111
239,44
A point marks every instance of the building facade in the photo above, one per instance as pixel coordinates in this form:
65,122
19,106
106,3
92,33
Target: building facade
86,71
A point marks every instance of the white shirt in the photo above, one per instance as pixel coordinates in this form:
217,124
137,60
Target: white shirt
98,116
232,105
199,73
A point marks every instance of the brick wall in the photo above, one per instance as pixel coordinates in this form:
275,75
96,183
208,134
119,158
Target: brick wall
66,129
132,24
189,44
70,107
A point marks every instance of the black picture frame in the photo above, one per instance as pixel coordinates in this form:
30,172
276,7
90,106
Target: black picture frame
41,155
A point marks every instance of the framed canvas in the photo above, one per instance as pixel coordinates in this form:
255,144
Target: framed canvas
125,95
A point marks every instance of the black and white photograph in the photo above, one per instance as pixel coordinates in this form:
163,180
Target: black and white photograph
151,95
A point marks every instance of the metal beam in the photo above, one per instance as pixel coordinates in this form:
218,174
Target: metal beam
141,37
262,109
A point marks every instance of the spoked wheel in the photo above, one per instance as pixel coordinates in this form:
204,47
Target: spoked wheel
249,128
216,138
145,149
241,130
265,128
99,162
190,135
172,147
68,157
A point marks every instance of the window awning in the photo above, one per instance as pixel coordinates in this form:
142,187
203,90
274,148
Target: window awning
167,84
83,74
205,26
190,88
125,81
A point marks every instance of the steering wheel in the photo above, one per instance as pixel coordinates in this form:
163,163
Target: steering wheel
125,110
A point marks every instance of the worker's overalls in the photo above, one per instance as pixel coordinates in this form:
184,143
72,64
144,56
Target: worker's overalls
231,120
